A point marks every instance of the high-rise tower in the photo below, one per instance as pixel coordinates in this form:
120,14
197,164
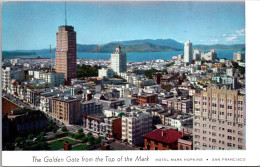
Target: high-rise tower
118,61
66,53
188,52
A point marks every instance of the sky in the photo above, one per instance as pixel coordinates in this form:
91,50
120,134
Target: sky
33,25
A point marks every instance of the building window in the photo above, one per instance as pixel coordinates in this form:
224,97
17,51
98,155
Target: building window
181,147
187,148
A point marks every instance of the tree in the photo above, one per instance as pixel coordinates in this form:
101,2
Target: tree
9,146
148,73
97,140
79,135
235,65
80,130
54,130
91,140
89,134
84,139
18,140
30,136
49,127
64,129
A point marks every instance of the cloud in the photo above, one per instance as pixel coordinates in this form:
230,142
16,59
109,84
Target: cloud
238,35
214,40
240,32
231,38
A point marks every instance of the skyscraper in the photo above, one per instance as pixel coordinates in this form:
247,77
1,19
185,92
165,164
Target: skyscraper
66,53
188,52
118,61
219,120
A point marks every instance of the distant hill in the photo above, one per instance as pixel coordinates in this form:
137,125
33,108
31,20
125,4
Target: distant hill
146,45
137,46
160,42
220,46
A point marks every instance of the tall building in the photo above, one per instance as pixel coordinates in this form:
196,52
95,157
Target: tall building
66,53
135,124
188,52
219,120
238,56
118,61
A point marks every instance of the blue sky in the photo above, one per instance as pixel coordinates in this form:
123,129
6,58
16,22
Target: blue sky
33,25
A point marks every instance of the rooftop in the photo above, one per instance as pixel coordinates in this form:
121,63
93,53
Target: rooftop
167,136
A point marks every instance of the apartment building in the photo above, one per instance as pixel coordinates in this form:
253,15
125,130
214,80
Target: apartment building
134,125
111,128
219,120
9,74
146,98
67,110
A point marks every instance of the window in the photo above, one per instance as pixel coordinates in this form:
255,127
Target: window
240,140
187,148
204,132
229,144
181,147
229,137
229,107
229,131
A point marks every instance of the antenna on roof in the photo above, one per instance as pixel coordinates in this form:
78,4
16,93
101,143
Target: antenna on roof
65,14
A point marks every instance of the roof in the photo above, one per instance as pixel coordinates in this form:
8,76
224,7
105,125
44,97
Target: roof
167,136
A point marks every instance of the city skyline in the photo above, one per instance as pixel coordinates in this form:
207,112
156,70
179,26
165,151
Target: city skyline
103,22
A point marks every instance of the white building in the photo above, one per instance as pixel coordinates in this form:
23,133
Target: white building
9,74
180,121
196,54
210,56
134,126
53,79
238,56
105,72
188,52
118,61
